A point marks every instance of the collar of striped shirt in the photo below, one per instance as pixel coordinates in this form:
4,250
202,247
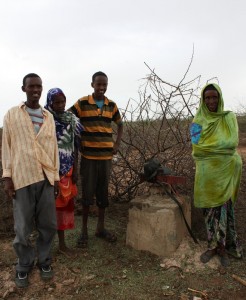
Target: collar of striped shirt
92,101
45,111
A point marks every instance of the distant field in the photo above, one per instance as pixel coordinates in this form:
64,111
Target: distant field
241,124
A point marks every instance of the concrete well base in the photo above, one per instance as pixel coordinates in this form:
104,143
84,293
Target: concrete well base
156,224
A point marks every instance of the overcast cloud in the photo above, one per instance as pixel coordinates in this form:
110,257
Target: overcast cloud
66,41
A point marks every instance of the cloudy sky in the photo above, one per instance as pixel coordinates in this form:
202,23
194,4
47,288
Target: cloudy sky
66,41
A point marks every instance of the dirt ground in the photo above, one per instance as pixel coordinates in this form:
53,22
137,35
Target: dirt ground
116,271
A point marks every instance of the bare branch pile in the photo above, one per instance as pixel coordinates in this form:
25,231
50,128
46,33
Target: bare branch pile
155,125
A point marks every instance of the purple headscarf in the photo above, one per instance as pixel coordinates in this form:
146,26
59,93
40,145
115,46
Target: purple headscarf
50,97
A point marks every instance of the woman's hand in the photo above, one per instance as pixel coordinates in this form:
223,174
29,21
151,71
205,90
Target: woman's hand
56,188
74,176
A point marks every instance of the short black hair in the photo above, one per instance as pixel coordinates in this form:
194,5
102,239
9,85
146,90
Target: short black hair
99,73
28,76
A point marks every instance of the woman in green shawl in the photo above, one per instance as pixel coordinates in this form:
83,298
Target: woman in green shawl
214,135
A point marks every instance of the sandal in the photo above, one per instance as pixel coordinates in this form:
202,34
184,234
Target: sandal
224,260
82,241
106,235
207,255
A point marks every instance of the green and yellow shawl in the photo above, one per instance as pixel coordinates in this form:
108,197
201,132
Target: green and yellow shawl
214,138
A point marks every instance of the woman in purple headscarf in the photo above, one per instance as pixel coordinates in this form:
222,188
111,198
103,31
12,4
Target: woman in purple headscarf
68,130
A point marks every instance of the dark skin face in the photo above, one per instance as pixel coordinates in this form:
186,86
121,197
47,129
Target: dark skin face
59,104
211,99
33,89
100,85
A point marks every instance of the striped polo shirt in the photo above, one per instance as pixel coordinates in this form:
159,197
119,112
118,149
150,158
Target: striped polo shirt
97,137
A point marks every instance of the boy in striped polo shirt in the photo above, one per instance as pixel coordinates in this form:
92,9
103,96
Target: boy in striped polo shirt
96,113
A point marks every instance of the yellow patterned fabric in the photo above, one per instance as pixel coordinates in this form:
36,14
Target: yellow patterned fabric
214,138
27,156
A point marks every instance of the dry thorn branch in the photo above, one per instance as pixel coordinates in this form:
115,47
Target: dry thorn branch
155,125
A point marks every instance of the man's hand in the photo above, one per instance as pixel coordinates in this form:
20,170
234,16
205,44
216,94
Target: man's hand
115,148
9,187
56,188
118,139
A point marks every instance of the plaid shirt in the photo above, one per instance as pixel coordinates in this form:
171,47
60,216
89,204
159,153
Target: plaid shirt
27,156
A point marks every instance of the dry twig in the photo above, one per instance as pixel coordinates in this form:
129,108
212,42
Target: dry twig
239,279
204,294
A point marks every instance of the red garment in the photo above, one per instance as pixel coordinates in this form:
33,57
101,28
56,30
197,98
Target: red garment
67,189
65,216
65,202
